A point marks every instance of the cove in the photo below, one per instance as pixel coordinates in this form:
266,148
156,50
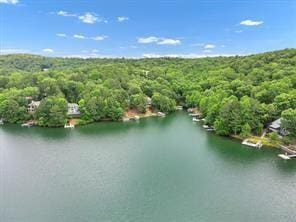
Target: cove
157,169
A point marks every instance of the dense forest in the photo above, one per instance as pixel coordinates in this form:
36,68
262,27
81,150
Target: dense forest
237,95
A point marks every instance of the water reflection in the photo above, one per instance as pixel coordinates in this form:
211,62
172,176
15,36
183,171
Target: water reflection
46,133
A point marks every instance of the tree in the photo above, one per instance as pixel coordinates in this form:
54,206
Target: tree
246,130
163,103
289,121
139,101
12,112
52,112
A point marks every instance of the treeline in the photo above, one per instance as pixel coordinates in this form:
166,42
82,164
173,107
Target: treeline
237,95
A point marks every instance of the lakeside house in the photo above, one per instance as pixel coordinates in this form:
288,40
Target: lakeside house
32,106
275,126
73,110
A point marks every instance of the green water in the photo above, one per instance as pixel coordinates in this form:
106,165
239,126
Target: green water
155,170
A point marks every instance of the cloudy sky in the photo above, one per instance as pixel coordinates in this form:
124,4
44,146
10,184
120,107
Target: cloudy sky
130,28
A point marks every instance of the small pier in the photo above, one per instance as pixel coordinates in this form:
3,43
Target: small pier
248,143
69,126
290,153
287,156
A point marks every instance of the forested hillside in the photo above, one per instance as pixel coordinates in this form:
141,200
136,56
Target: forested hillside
237,95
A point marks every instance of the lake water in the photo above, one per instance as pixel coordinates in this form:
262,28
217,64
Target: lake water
158,169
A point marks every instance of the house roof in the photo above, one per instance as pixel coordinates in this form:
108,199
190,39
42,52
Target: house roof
72,104
35,103
276,124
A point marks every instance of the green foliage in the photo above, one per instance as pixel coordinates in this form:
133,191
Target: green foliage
289,121
274,136
235,94
139,101
52,112
163,103
246,130
11,111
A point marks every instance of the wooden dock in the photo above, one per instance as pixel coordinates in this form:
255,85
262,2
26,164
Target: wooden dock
257,145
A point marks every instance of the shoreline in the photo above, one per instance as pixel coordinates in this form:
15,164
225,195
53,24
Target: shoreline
79,122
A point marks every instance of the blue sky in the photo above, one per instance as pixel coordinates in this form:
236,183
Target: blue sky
95,28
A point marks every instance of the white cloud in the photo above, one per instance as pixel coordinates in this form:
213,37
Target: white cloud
89,18
169,42
48,50
158,41
249,22
76,36
12,2
207,51
209,46
122,18
14,51
61,35
238,31
99,37
189,56
148,40
66,14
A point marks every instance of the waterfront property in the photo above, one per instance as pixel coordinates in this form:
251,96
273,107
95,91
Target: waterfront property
276,126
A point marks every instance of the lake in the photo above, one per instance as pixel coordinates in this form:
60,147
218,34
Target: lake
157,169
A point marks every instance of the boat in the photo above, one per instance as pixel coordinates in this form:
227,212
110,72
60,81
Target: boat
137,117
1,122
69,126
161,114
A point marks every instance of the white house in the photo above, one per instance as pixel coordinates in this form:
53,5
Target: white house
32,106
73,109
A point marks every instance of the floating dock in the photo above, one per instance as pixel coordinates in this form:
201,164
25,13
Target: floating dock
286,156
